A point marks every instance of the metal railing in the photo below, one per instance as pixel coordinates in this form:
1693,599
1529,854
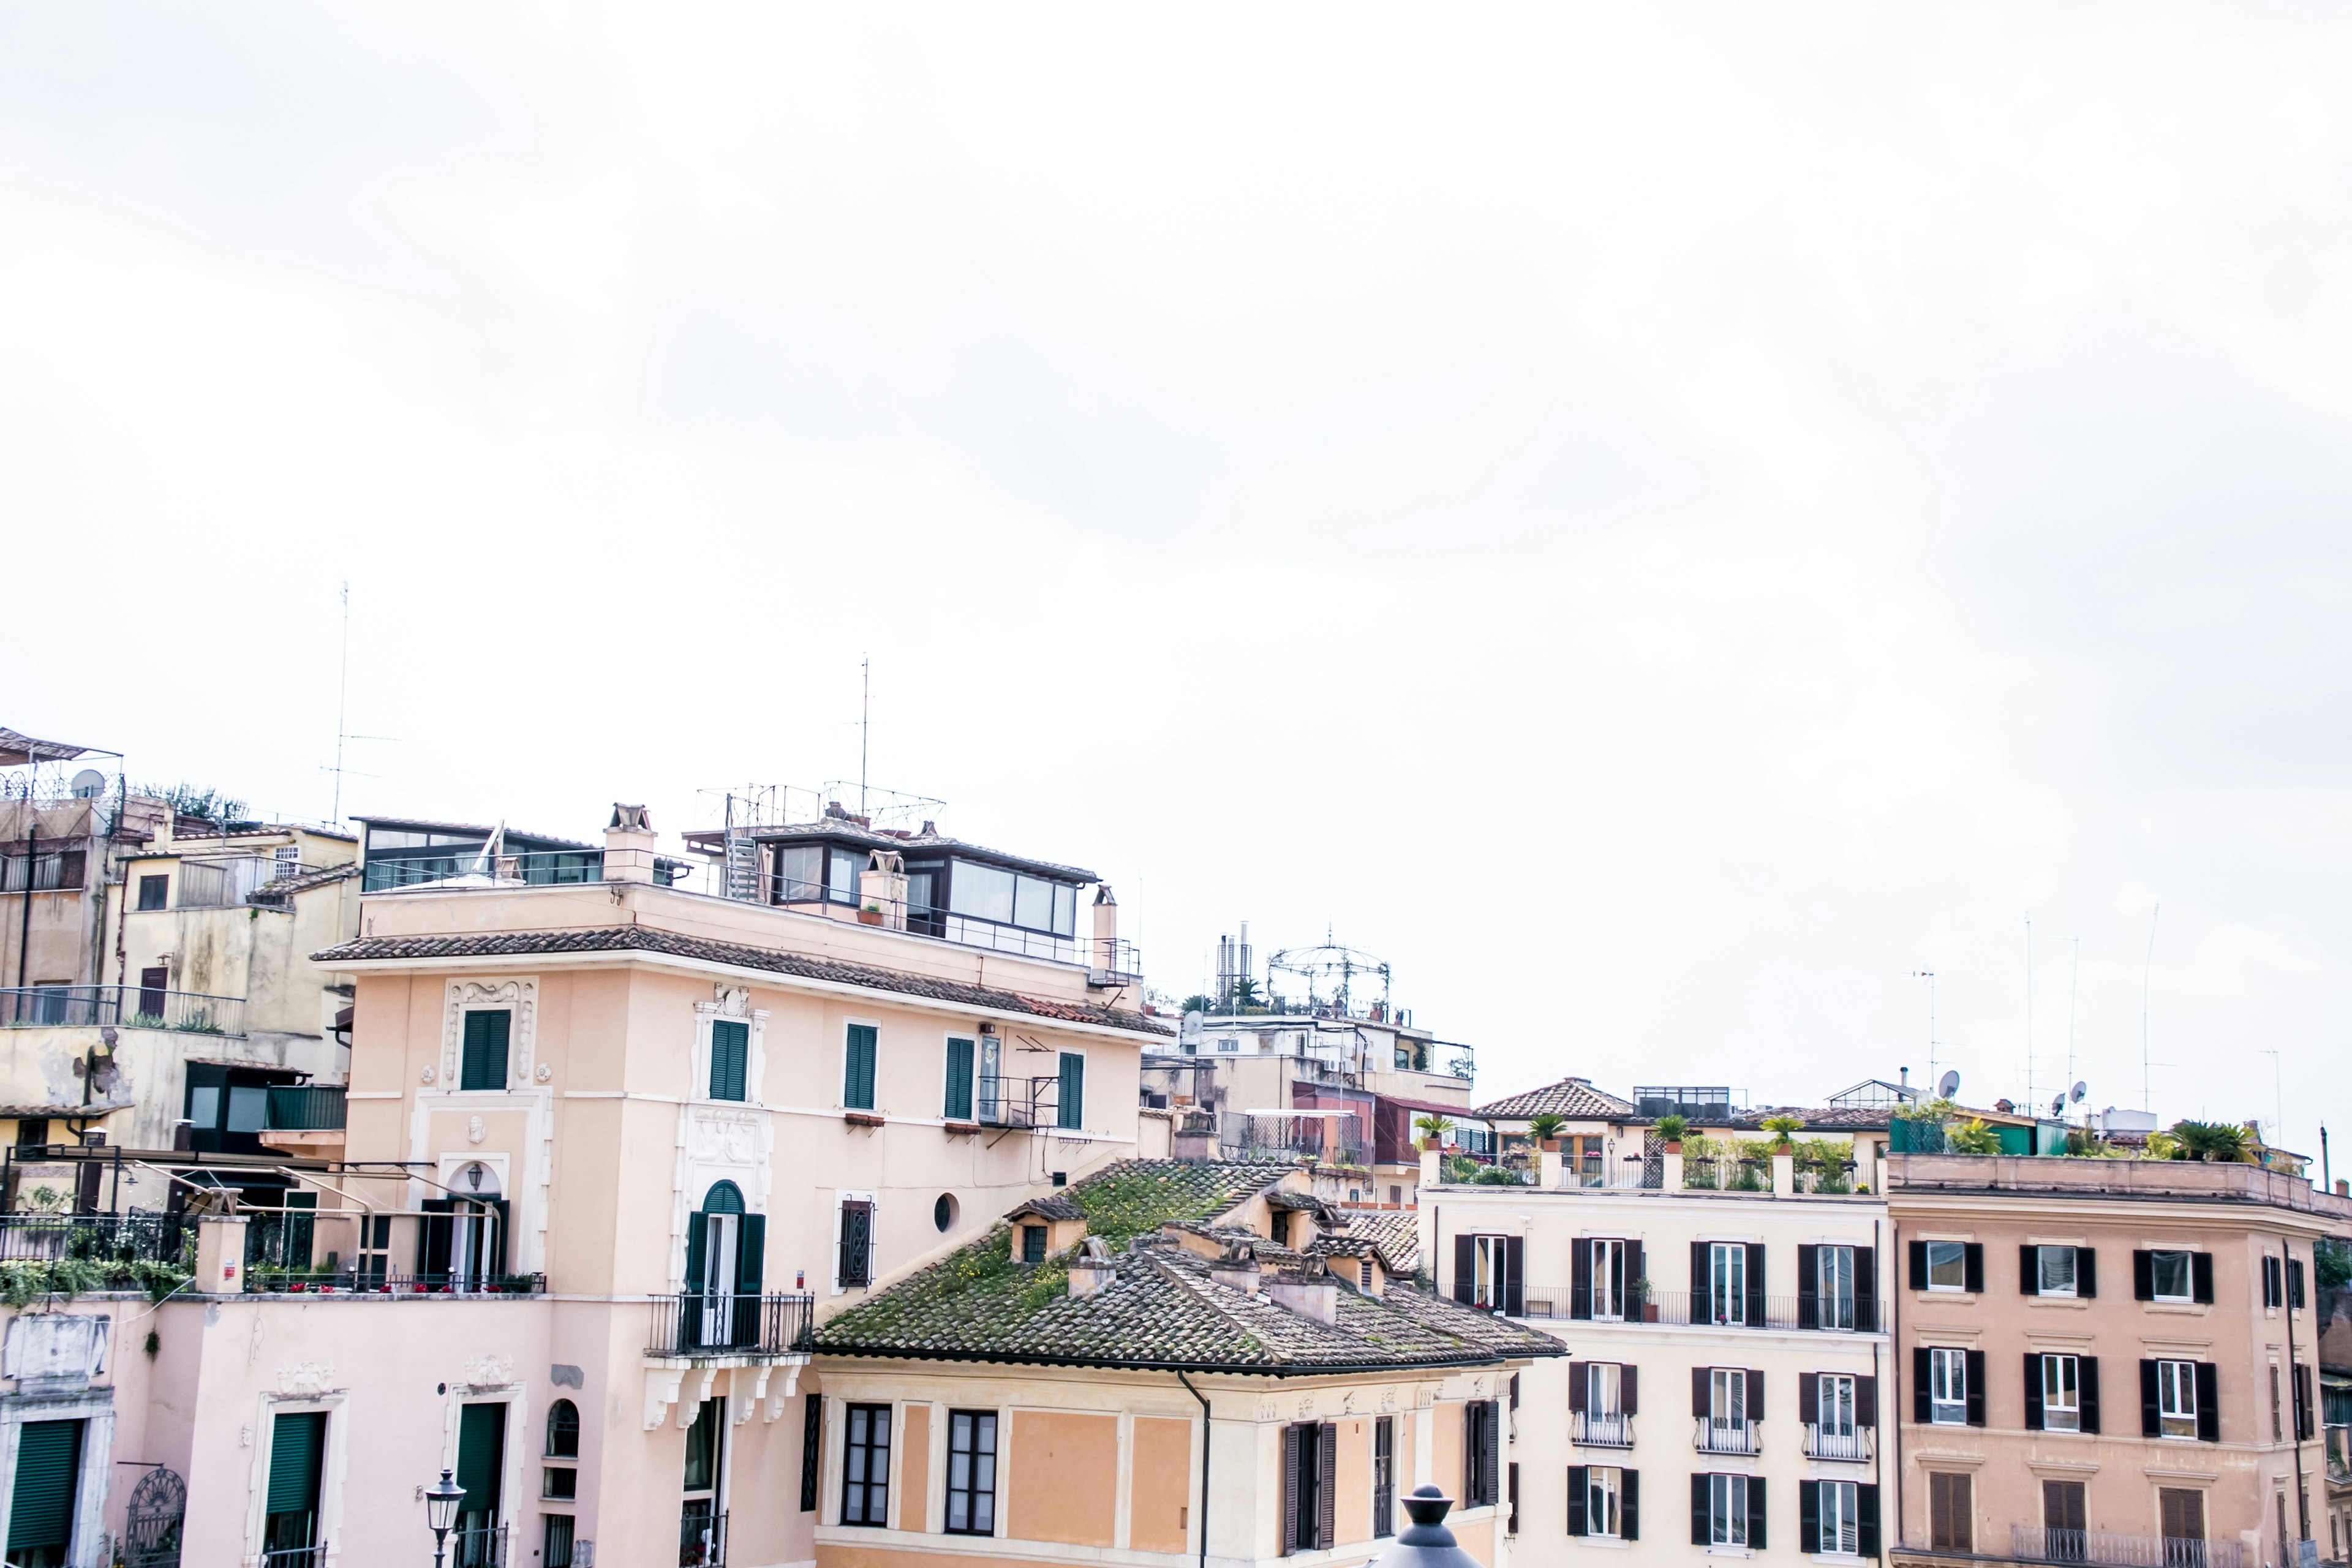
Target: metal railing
122,1006
1822,1314
1713,1436
702,1541
344,1280
1860,1443
540,867
123,1238
1628,1173
1603,1431
306,1108
1114,958
295,1557
691,1323
2038,1543
483,1548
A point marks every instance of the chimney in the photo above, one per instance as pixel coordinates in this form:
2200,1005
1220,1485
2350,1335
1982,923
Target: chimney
1106,929
1091,1270
629,845
1237,1268
1315,1295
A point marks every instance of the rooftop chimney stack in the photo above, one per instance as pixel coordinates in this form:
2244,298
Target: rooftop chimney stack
629,841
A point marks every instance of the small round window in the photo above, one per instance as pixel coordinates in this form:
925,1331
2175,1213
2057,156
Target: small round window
943,1213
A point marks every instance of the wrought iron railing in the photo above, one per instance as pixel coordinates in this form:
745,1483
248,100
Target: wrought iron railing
295,1557
692,1323
306,1108
271,1280
122,1238
1594,1431
122,1006
1825,1314
1856,1443
702,1541
1714,1437
2038,1543
483,1548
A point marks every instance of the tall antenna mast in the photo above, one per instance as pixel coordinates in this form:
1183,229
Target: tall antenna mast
2073,988
2029,1013
865,723
2147,1100
342,699
1929,976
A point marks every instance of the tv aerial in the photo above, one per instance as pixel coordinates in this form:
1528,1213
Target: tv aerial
1948,1086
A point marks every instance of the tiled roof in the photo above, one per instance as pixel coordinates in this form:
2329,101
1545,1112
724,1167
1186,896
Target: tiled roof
646,939
1832,1117
1056,1206
1574,1098
1396,1232
285,887
1161,1309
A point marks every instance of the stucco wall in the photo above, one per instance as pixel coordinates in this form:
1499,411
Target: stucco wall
1064,1477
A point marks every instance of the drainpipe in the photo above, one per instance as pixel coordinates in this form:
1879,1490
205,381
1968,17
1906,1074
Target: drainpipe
1878,1450
24,938
1895,1367
2302,1491
1204,1466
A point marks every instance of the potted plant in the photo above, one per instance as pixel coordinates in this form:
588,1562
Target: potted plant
1545,1130
870,915
1639,1290
1673,1129
1784,1128
1433,1130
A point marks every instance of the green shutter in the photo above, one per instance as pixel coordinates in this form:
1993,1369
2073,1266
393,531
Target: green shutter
48,1461
958,1099
730,1048
1071,1106
697,1230
485,1060
297,1444
481,1445
751,1253
857,1081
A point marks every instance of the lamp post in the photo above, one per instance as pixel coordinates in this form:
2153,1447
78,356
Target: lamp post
441,1500
1425,1543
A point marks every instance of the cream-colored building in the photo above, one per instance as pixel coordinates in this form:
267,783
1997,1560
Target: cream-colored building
1722,1393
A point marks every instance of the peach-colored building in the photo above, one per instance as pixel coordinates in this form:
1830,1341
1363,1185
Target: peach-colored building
1167,1362
612,1145
2106,1361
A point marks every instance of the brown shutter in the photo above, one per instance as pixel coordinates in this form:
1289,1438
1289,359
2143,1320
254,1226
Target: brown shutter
1289,1490
1326,1451
1698,1391
1576,1370
1580,1278
1865,1402
1466,1266
1629,1389
1809,1398
1494,1449
1755,1394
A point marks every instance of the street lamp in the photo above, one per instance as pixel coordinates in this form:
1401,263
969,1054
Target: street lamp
441,1502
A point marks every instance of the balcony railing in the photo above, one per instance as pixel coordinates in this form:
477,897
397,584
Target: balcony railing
702,1541
121,1006
1627,1173
1594,1431
306,1108
694,1324
295,1557
1714,1437
120,1238
2035,1543
483,1548
1860,1444
1823,1314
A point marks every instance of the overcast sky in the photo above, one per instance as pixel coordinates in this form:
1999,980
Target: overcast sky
1659,525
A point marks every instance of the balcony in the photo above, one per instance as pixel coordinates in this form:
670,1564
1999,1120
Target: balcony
1603,1431
310,1108
1714,1437
1859,1443
1807,1314
120,1007
2033,1544
702,1539
483,1548
693,1326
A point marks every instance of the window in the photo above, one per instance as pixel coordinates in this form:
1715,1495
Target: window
559,1483
44,1499
2295,1283
154,892
2176,1398
1727,1282
857,1070
563,1430
1950,1527
971,1472
1604,1503
857,1262
1834,1406
866,1467
1837,1522
1070,1101
984,892
1948,1387
1727,1399
943,1213
1948,1266
2183,1513
842,868
1728,1510
956,1104
1033,1244
1481,1454
2062,1394
730,1050
1608,1281
699,1534
1833,1288
800,873
1384,1476
556,1551
2173,1276
2054,1271
483,1063
1491,1272
1310,1455
33,1132
2273,1283
1604,1390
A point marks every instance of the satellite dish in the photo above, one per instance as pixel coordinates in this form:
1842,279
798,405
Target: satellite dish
2076,1093
88,785
1948,1086
2058,1106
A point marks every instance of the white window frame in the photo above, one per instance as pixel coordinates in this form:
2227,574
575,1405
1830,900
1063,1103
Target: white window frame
1608,1300
1490,1272
1604,1501
1599,1376
1834,1403
1727,1509
1840,1519
2062,1393
1955,1254
1727,1386
1726,1283
1948,1386
2043,1257
2188,1275
1834,1286
2176,1399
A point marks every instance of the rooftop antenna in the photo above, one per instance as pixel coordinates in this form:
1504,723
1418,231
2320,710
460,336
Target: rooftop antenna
343,702
865,723
2073,988
1929,976
2147,1100
2029,1011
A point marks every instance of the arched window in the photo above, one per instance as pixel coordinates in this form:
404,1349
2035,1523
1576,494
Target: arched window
563,1430
724,1197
